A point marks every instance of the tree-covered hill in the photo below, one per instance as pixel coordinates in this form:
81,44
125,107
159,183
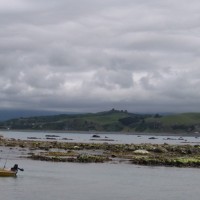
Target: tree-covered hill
113,120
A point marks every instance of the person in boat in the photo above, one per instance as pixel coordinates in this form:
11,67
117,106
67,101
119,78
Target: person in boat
14,168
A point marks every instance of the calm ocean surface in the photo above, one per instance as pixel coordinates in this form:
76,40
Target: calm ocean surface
69,181
110,137
75,181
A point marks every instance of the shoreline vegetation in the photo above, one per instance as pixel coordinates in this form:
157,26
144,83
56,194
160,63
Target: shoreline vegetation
140,154
120,121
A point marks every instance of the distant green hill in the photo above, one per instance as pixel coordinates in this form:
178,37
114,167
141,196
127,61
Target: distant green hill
113,120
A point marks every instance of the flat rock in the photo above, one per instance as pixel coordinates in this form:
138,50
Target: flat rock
141,151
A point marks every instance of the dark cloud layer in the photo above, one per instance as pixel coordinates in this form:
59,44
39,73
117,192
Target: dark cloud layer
93,55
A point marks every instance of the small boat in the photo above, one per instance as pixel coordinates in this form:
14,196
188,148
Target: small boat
7,173
10,172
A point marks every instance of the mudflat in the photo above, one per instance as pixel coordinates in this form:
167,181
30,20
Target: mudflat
141,154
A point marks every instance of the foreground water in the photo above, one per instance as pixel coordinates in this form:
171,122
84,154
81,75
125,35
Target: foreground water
71,181
75,181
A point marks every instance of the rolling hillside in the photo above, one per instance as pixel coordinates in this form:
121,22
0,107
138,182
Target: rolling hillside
113,120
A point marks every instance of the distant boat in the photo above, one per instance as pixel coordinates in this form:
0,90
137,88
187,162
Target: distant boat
10,172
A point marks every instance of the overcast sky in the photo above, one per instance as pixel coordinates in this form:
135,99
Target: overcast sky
95,55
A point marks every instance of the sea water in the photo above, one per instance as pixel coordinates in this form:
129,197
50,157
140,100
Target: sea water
113,138
74,181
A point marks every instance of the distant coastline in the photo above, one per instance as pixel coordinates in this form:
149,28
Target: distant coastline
112,121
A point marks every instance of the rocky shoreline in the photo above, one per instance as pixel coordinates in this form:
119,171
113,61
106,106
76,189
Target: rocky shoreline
140,154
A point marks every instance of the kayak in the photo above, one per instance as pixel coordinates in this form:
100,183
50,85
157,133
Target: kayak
10,172
7,173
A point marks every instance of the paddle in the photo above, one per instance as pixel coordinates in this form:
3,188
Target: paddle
21,169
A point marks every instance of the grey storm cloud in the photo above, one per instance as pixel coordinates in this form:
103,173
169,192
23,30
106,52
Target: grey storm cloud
94,55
